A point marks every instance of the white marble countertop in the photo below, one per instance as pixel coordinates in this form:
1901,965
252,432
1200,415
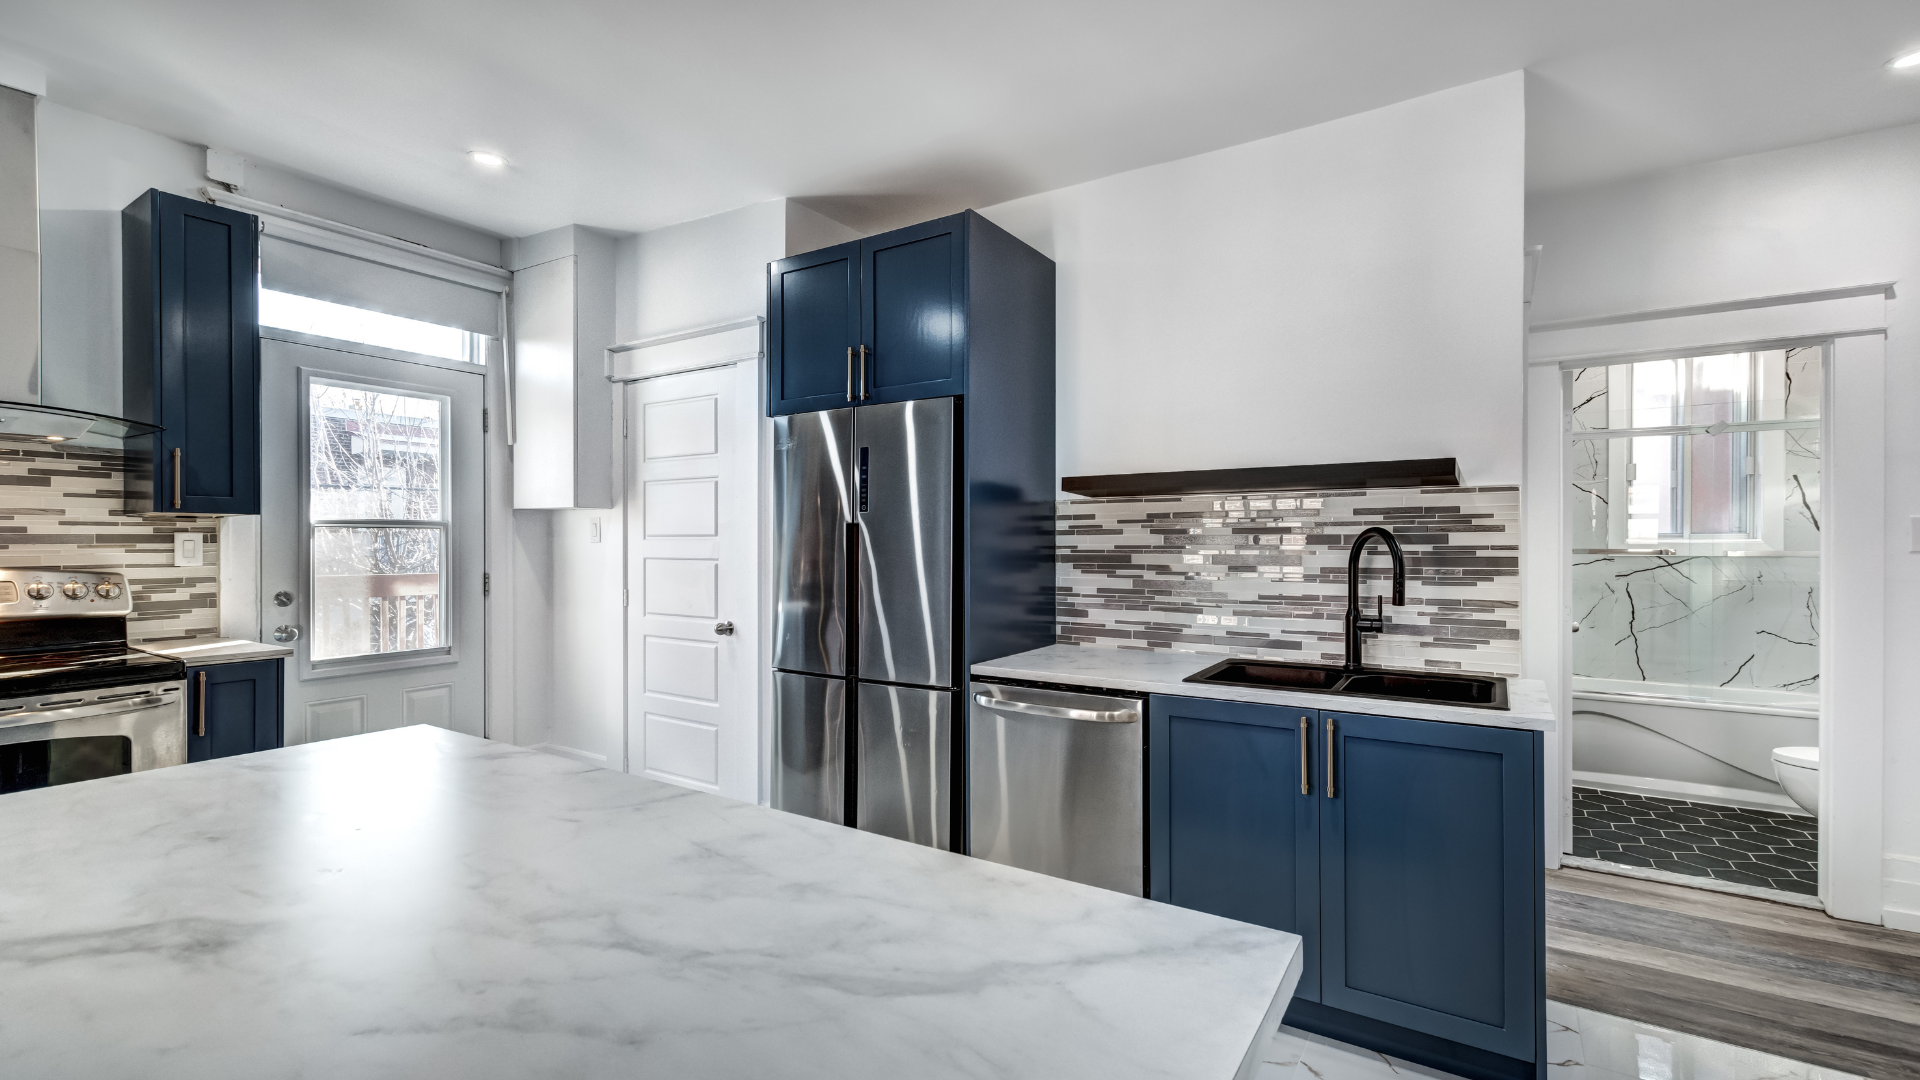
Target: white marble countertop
1160,671
219,651
416,903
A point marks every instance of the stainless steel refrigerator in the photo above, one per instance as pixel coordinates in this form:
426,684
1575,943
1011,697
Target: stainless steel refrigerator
866,666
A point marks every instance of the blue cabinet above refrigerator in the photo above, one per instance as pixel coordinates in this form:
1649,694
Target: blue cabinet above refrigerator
895,317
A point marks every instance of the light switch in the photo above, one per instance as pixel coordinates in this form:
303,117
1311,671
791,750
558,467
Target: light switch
187,549
593,530
1916,534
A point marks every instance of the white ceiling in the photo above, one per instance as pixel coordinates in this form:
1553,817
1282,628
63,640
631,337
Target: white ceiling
631,114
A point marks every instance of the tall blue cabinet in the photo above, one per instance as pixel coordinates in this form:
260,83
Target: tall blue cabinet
1405,853
953,308
191,355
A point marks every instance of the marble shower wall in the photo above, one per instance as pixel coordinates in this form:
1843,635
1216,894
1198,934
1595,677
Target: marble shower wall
1265,574
1704,622
66,508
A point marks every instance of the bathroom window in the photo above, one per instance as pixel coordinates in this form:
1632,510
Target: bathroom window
1693,481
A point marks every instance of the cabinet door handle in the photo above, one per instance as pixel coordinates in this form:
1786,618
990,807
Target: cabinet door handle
1306,759
177,454
849,373
863,373
1329,757
201,709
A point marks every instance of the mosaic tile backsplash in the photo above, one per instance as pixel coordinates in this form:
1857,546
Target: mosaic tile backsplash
66,508
1264,574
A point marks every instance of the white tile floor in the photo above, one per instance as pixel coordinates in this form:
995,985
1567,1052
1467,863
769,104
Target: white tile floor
1581,1045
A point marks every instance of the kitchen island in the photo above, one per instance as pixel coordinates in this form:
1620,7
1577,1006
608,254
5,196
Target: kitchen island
418,903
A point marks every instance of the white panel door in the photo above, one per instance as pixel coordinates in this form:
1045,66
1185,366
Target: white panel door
373,539
692,579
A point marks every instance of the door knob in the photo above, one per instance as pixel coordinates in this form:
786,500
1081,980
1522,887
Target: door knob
286,634
724,629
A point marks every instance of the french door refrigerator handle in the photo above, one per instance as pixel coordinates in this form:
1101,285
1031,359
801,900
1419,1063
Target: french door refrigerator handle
849,373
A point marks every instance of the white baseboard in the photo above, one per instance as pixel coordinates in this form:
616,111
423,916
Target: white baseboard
586,756
1686,792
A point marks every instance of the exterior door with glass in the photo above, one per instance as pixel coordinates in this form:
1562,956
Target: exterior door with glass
372,539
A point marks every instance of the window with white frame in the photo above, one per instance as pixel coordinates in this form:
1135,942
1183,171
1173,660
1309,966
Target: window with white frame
377,509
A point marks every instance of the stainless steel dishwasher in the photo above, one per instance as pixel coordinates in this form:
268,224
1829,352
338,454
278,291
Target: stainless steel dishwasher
1056,783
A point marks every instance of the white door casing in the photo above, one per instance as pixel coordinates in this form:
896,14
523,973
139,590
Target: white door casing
442,684
692,714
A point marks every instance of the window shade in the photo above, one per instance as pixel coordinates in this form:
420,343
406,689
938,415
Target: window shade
288,266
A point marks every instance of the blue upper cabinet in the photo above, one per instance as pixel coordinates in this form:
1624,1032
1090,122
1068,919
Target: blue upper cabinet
913,311
813,330
191,355
884,319
1430,864
1232,832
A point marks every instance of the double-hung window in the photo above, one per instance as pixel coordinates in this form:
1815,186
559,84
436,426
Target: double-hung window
377,508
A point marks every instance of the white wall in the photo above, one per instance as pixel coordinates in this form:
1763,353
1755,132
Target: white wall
1828,215
1346,292
92,167
678,278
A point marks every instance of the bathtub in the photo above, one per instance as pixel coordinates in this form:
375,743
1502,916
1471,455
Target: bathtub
1669,741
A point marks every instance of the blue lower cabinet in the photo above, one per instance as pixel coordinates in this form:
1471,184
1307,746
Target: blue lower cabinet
1230,830
233,709
1412,869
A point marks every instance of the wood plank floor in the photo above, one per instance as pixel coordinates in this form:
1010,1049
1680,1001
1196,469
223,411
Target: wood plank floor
1772,977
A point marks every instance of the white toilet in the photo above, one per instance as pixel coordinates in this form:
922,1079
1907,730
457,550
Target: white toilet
1798,770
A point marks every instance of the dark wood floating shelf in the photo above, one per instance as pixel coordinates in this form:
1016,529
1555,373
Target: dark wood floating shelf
1421,472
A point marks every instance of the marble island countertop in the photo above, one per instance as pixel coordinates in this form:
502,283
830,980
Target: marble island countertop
200,652
1160,671
421,903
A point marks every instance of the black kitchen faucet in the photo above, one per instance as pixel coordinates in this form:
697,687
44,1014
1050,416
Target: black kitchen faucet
1357,623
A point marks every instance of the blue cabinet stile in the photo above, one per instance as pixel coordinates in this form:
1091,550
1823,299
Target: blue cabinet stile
1412,869
233,709
191,355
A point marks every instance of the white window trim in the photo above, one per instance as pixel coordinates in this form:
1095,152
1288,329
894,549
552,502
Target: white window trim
1853,539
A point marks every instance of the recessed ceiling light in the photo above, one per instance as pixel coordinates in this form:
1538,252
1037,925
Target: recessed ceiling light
486,159
1911,59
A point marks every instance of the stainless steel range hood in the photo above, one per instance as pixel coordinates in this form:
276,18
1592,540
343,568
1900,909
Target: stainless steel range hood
23,415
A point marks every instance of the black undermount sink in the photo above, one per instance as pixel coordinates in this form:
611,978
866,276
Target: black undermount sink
1472,691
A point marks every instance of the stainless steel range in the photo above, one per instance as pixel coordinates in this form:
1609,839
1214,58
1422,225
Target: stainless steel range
76,701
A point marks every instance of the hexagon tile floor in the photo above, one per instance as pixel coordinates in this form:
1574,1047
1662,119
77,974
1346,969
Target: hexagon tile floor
1729,843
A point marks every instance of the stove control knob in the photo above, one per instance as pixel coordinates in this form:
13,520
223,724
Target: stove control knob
107,590
74,590
39,590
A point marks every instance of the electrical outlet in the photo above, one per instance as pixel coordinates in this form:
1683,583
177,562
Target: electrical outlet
593,530
188,549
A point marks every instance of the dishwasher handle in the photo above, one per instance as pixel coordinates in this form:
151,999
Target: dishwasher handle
1096,716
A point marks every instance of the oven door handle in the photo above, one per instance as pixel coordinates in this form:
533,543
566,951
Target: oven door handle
81,712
